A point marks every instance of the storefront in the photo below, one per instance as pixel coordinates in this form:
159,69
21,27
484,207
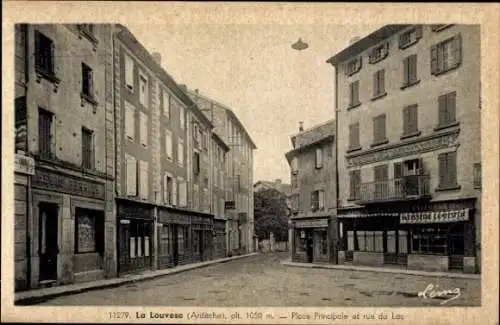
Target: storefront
202,237
311,242
219,245
173,237
433,237
135,233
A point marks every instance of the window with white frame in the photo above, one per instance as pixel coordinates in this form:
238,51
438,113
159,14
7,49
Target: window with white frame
166,103
182,193
143,89
144,129
129,73
168,145
182,117
180,152
143,180
129,121
130,175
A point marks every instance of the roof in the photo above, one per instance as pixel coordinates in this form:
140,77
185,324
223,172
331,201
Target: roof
221,142
230,113
365,43
283,187
320,133
126,36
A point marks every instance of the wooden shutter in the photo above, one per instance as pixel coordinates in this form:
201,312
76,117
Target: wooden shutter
165,188
406,71
452,168
129,72
381,81
376,89
352,184
51,58
321,199
421,167
385,172
442,120
91,82
174,191
457,49
351,94
412,68
451,107
398,170
319,157
144,128
442,162
406,120
131,175
402,40
144,179
434,59
356,92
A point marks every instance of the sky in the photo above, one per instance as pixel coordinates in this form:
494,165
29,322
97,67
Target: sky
254,70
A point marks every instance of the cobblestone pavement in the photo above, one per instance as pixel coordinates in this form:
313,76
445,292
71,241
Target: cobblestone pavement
262,281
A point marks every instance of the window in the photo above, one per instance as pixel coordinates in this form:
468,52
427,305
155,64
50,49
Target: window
294,181
89,236
180,152
166,104
410,120
87,81
144,129
438,28
370,241
319,158
446,55
182,193
354,94
174,192
317,200
447,108
410,70
168,145
167,189
87,149
87,28
354,136
131,175
44,54
45,133
182,117
379,83
379,135
410,37
129,73
477,175
295,165
143,182
129,121
140,243
355,183
196,163
430,240
143,89
354,66
448,170
379,52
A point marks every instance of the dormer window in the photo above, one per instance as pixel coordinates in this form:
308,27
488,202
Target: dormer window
379,52
353,66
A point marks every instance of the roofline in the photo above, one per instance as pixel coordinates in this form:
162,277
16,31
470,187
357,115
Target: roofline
129,40
366,42
326,139
220,141
227,108
312,128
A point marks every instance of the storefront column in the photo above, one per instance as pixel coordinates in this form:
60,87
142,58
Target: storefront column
469,249
333,240
154,251
291,239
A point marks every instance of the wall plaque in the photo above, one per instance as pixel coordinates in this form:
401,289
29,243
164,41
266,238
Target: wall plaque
54,181
24,164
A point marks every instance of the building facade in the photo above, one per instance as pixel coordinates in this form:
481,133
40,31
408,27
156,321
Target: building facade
408,116
313,197
239,172
65,202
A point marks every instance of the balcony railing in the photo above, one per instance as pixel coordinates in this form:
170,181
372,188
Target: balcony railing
405,188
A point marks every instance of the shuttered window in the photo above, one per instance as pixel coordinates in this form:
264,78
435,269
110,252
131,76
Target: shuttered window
379,83
410,37
143,180
477,175
87,149
129,121
354,136
174,192
315,201
182,117
319,158
354,93
381,172
167,189
182,193
129,72
180,152
410,119
410,70
379,134
131,175
354,182
87,80
446,55
166,104
144,129
168,145
447,109
143,89
44,53
45,133
447,170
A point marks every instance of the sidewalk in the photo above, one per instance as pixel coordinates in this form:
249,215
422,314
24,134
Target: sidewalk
396,270
34,296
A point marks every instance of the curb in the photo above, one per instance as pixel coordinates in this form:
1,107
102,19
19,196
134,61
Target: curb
117,282
386,270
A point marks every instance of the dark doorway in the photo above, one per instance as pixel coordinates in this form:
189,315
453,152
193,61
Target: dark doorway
200,244
456,246
175,245
48,240
309,246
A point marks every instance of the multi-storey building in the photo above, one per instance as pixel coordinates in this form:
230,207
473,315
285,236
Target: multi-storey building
408,116
239,172
64,210
313,197
160,218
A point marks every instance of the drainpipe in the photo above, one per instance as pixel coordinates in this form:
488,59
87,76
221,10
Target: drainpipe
335,143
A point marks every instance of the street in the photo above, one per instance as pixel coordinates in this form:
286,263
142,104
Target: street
262,281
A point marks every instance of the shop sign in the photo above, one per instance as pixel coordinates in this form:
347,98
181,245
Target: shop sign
229,205
24,164
434,217
49,180
311,223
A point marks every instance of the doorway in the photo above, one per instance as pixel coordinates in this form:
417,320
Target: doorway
48,240
309,246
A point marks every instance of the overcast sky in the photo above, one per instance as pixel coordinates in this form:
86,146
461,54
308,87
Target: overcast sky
254,70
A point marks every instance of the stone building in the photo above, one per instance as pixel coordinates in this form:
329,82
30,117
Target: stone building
313,198
409,138
64,120
239,172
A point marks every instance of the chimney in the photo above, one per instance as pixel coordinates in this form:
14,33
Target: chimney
157,57
354,40
278,181
197,91
301,126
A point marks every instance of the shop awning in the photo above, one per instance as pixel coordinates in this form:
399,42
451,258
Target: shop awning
435,216
368,215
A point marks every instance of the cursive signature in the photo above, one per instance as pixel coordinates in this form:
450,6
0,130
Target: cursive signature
433,292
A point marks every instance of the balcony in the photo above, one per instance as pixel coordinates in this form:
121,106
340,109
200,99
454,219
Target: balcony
399,189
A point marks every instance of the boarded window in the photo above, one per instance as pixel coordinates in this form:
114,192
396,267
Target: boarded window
447,109
379,134
410,119
410,70
448,170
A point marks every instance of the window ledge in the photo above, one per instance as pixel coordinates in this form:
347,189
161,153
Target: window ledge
407,45
410,135
448,188
353,149
129,88
409,84
89,99
438,73
446,126
352,199
353,106
477,187
379,143
50,76
381,95
318,167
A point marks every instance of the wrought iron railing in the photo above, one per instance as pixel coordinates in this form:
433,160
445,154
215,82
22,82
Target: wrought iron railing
404,188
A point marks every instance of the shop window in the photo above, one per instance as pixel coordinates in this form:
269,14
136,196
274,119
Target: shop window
391,241
370,241
89,232
139,239
431,240
350,240
403,241
302,241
